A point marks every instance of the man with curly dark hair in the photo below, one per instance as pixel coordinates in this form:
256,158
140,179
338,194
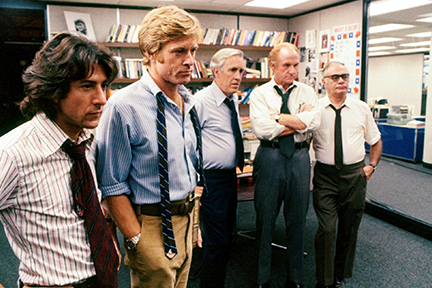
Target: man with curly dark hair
48,231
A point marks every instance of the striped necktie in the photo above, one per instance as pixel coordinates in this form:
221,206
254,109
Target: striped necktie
197,128
86,205
167,228
286,143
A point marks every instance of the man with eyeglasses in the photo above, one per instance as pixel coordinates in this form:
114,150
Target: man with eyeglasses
340,175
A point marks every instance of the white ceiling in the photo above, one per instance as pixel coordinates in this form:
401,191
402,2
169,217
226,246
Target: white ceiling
408,16
231,6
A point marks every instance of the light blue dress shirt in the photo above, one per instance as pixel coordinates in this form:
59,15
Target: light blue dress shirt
217,135
127,149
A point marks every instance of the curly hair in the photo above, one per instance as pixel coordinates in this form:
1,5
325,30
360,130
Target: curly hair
164,24
64,59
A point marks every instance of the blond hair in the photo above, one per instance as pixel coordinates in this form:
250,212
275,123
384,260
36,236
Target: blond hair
273,56
165,24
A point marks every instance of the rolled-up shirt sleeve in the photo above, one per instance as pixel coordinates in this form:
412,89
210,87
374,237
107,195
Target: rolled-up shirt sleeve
114,153
311,118
262,125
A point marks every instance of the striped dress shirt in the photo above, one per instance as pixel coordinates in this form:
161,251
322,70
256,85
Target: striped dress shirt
36,201
127,146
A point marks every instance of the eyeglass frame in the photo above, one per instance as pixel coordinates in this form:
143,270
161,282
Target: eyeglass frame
335,77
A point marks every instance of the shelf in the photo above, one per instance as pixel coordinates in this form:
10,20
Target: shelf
201,47
194,80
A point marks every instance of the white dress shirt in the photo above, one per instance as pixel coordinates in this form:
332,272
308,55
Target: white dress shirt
217,136
357,126
265,101
36,201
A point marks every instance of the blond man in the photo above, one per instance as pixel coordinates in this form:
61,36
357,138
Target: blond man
128,153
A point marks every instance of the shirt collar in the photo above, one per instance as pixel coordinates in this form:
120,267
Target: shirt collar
294,84
348,102
52,136
154,89
219,96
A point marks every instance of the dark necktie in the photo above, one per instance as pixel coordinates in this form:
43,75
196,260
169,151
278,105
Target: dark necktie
202,181
167,229
338,153
197,128
286,143
86,205
237,134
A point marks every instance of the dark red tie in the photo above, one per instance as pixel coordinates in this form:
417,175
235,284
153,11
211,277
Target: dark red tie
86,205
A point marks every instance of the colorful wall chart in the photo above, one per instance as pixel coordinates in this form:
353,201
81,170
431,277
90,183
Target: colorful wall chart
346,47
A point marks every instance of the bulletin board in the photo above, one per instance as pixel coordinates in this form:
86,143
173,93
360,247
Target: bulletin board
345,47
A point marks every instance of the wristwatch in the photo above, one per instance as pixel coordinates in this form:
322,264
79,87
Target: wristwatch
132,242
373,166
277,118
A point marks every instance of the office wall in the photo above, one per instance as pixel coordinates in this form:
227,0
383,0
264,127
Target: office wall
326,19
397,78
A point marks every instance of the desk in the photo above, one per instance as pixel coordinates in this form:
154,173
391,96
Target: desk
402,142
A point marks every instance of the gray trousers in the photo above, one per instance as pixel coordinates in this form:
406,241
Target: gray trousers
339,200
279,179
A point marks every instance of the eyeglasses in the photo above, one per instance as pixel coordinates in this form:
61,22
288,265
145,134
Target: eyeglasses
335,77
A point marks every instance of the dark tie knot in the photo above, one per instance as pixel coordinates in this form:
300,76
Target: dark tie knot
76,152
230,104
337,110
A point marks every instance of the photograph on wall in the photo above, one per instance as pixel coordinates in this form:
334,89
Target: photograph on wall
324,40
310,38
302,54
324,60
312,60
80,22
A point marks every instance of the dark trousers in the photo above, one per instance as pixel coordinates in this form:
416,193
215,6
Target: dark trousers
279,179
218,214
339,199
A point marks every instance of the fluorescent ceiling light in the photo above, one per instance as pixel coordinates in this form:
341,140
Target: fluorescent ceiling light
377,48
413,50
275,4
388,6
428,20
415,44
421,35
384,40
388,27
378,53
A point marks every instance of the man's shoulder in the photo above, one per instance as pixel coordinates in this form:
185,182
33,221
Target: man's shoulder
304,86
16,135
134,90
205,92
357,103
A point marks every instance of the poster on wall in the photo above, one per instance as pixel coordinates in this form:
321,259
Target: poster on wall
310,39
345,47
80,22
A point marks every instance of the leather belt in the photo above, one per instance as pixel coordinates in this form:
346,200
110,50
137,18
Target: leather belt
86,283
181,207
275,145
